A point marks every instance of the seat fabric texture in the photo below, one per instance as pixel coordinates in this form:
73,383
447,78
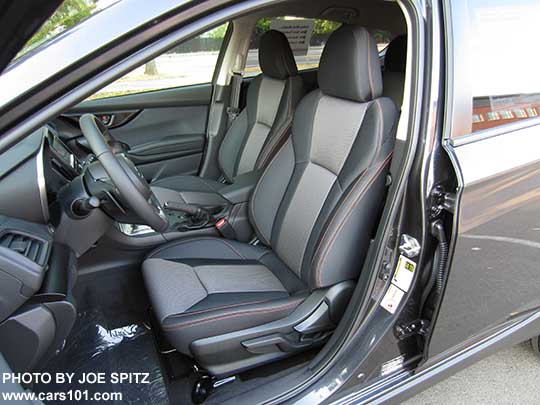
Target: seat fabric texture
314,209
262,125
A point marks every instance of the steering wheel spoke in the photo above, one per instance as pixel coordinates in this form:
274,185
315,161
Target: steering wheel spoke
127,179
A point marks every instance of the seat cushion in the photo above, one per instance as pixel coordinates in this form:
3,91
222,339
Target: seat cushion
209,286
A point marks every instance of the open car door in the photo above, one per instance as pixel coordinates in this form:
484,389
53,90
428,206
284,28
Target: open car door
19,20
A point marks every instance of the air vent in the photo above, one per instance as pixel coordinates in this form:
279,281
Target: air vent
30,247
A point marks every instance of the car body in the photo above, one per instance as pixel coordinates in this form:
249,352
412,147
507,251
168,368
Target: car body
459,214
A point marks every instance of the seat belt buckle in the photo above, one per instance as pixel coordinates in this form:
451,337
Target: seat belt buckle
225,229
233,112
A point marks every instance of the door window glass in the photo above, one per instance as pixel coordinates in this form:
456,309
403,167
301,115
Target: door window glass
307,53
67,15
192,62
306,36
505,62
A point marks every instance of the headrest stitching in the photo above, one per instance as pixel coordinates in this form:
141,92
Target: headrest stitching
372,95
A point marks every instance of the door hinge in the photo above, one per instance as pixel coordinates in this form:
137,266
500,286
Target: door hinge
417,327
441,200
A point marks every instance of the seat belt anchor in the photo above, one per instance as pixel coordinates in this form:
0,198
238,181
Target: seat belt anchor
225,229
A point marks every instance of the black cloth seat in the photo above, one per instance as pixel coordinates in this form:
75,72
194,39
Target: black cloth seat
314,210
228,286
258,131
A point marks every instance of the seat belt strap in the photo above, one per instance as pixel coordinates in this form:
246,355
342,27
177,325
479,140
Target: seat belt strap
234,102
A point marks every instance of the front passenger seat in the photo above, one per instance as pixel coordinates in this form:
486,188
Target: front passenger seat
256,133
232,305
395,60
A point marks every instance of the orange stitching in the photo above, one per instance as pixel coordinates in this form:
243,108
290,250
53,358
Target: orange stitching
277,143
196,239
334,216
341,224
215,309
369,64
263,310
177,243
381,126
379,145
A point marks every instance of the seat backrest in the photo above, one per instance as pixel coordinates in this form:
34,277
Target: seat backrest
394,69
318,201
261,127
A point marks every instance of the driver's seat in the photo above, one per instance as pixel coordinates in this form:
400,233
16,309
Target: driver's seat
232,305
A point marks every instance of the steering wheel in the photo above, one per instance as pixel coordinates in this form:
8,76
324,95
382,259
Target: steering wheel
133,187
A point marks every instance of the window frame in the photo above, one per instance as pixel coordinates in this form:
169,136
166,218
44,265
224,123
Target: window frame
459,95
213,78
250,76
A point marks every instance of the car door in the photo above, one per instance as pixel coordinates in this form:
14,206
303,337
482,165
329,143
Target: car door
160,110
494,142
25,18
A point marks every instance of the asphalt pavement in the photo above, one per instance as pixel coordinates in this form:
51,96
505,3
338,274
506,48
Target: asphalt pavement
507,377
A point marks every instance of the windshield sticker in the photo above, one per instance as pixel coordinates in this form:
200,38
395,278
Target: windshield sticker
392,298
404,273
297,31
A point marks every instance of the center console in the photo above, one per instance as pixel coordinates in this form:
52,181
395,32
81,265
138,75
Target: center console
223,212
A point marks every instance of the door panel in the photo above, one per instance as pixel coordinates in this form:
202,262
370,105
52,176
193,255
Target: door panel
493,135
166,129
494,270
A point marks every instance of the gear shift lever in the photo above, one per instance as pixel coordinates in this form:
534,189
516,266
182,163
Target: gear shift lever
199,215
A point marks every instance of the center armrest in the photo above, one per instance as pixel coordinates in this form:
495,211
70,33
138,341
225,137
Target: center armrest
241,189
205,199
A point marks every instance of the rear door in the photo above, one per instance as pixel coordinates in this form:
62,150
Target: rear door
494,141
161,109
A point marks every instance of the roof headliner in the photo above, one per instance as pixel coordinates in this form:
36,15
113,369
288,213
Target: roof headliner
372,14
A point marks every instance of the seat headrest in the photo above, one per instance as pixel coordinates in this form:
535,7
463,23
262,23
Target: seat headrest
350,66
396,55
275,55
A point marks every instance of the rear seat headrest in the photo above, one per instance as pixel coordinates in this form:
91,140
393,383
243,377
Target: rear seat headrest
276,58
350,66
396,55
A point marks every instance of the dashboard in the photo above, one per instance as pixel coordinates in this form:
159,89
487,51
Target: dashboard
61,152
32,173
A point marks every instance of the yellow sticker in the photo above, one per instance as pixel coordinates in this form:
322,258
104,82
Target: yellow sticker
403,276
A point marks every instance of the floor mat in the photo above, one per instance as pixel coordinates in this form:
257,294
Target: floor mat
94,346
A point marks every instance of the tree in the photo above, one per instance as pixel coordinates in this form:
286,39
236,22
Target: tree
218,32
151,68
70,13
325,26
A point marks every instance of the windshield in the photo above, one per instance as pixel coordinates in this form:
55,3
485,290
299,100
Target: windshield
69,14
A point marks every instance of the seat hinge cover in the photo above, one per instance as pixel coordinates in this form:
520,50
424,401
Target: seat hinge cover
417,327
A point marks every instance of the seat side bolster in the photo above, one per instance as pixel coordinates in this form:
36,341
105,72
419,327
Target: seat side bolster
187,328
269,191
231,145
340,244
334,260
219,314
280,131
